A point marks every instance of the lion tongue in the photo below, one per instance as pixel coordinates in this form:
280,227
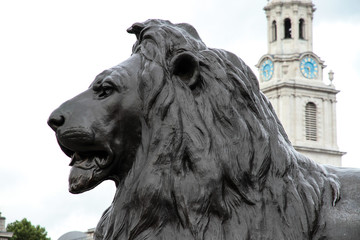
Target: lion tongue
80,179
85,173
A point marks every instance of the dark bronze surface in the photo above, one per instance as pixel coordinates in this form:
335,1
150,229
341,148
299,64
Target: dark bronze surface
196,150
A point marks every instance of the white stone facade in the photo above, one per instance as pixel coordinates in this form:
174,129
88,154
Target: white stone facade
295,79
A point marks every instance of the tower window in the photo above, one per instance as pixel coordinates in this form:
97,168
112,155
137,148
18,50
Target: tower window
274,31
301,29
310,122
287,25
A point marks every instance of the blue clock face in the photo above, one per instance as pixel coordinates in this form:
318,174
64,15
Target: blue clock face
309,67
267,69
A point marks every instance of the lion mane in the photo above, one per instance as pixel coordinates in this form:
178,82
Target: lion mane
214,160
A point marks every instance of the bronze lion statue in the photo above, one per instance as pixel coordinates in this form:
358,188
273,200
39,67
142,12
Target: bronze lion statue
196,150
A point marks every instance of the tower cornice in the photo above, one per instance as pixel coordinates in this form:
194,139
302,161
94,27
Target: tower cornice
285,3
303,86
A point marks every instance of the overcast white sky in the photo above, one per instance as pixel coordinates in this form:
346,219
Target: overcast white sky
51,50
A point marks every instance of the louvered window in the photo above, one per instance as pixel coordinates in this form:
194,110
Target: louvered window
310,122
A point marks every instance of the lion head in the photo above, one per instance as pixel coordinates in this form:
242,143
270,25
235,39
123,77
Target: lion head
100,129
196,150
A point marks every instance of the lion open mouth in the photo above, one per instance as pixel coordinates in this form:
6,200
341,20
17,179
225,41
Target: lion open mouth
88,160
87,168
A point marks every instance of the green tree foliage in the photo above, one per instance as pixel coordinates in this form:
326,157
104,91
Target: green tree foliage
24,230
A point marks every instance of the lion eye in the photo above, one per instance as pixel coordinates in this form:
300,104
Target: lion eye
104,90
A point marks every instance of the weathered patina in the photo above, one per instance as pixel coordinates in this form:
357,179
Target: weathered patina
196,150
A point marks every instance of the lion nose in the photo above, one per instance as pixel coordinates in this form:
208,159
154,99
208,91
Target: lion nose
56,120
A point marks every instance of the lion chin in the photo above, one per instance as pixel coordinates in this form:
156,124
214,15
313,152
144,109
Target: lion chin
196,150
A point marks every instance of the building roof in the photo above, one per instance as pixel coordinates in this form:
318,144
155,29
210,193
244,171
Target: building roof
285,1
74,235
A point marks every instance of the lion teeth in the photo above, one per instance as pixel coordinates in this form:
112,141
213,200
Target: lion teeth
73,160
100,162
97,161
86,161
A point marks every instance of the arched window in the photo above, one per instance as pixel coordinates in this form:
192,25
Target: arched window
287,25
301,29
310,122
274,31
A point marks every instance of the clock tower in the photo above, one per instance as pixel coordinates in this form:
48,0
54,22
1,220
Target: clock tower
291,76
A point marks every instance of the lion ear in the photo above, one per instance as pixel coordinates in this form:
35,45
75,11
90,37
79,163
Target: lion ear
136,28
186,66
